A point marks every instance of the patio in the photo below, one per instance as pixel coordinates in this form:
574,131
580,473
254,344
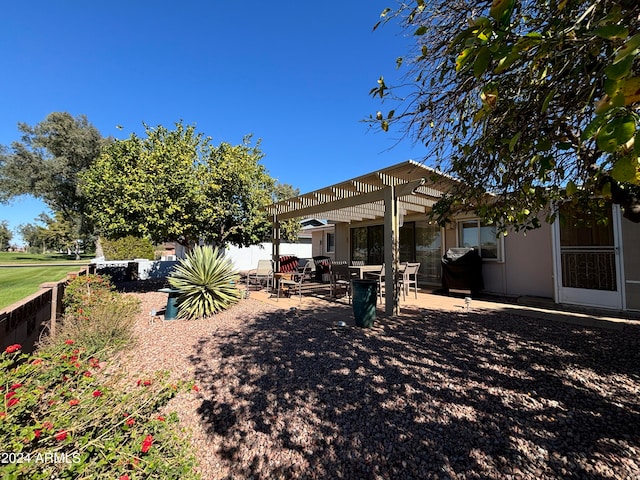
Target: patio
435,392
431,300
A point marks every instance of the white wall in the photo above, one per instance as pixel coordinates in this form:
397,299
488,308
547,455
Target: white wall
247,258
319,242
146,268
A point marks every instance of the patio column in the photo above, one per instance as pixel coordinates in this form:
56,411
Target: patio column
392,241
391,236
275,243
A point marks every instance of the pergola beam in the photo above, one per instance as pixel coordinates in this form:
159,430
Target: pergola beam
334,205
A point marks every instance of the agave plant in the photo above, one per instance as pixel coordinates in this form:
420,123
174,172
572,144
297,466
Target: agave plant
206,281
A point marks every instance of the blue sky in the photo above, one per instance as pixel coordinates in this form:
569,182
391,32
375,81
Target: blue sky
295,74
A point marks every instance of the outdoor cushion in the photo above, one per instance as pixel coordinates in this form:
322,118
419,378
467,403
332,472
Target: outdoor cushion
288,263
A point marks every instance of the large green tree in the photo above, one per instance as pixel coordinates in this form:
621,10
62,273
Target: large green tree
47,161
533,101
173,185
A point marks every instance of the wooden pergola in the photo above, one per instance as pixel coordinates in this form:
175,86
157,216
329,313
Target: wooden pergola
388,194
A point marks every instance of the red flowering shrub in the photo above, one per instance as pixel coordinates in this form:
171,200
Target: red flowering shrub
85,291
104,430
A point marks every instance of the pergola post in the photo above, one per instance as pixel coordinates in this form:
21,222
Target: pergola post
275,243
391,236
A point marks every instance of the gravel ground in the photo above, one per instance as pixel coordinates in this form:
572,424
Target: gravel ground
287,394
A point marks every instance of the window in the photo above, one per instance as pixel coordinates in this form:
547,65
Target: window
359,244
331,242
482,238
407,243
367,244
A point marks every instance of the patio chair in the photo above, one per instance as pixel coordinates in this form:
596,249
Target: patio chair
263,273
357,263
296,280
340,279
409,278
311,272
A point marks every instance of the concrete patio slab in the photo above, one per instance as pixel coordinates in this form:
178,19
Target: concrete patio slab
432,300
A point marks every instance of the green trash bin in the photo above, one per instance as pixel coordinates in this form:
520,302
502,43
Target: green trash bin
171,312
364,302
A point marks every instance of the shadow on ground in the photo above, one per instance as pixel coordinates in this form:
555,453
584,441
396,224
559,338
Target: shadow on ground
425,395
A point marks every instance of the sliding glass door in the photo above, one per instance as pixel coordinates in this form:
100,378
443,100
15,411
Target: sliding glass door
428,246
419,242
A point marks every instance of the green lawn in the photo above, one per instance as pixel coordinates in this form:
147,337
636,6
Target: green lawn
10,258
17,283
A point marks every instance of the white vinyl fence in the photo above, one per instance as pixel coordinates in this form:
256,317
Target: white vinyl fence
246,258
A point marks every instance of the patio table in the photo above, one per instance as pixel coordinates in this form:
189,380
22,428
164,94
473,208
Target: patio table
281,276
362,269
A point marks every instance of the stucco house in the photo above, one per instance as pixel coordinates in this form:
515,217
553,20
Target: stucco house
597,266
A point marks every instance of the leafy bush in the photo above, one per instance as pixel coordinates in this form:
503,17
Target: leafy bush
96,317
127,248
110,326
83,292
61,417
207,283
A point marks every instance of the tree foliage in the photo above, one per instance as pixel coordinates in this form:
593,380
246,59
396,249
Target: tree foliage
48,160
289,229
34,235
534,101
5,235
56,233
173,185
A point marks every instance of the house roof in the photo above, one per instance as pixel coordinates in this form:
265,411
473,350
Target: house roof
362,198
312,222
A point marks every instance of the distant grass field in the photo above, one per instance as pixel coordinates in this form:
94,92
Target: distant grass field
11,258
18,282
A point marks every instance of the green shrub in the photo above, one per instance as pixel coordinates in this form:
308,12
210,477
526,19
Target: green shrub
96,317
85,291
110,326
207,283
61,417
127,248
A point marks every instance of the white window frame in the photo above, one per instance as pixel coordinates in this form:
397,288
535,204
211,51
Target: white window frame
479,224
